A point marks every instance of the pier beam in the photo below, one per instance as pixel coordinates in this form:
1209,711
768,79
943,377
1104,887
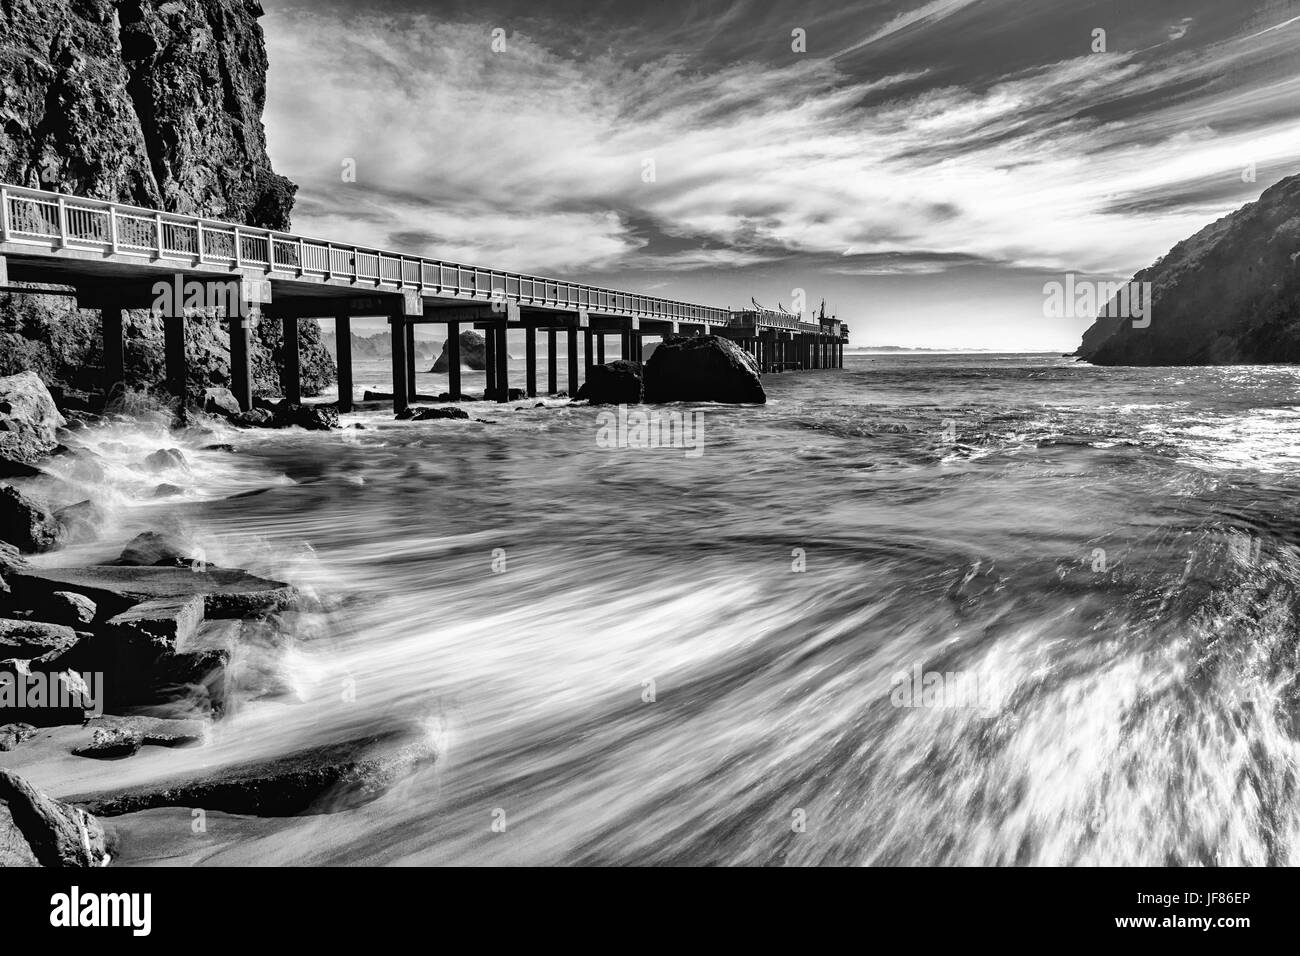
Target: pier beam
291,377
503,359
530,361
552,376
401,397
174,356
573,361
411,390
110,317
241,373
343,349
453,361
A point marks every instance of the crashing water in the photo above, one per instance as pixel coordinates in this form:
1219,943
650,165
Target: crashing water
638,656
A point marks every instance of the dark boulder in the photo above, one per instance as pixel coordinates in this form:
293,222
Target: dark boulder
38,831
152,548
80,522
615,383
29,419
220,401
25,640
702,368
27,524
310,417
473,353
165,459
427,414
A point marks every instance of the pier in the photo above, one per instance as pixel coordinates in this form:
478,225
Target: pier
116,257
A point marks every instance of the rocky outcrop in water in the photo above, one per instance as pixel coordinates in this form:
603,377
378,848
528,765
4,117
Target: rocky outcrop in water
702,368
38,831
615,383
157,104
1228,295
473,353
29,419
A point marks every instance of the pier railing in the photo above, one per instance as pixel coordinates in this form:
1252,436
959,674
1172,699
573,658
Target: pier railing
57,221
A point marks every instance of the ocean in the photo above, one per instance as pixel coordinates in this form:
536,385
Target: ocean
930,609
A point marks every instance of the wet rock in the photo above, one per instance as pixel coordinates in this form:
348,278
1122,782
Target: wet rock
25,640
220,401
11,558
162,622
26,523
17,469
702,368
254,417
615,383
426,414
38,831
69,608
310,417
165,459
111,744
168,491
11,735
473,353
80,522
226,593
153,549
29,419
153,731
316,780
87,467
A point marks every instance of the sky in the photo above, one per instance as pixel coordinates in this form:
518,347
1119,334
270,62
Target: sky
925,166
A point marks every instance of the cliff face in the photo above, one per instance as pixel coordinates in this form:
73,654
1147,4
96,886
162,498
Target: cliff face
147,102
1229,295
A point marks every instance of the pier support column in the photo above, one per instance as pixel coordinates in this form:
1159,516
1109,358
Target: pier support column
503,359
114,351
343,349
490,362
600,348
573,361
411,390
291,377
530,360
625,346
588,354
174,356
241,373
401,397
453,361
552,373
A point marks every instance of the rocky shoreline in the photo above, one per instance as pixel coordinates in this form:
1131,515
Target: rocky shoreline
151,649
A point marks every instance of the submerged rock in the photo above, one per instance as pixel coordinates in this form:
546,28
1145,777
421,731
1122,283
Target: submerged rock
165,459
314,780
473,353
152,548
702,368
427,414
80,522
29,419
38,831
226,593
615,383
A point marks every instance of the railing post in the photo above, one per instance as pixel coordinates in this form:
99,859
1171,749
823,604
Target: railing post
112,229
199,225
158,234
302,257
239,249
63,224
329,261
4,215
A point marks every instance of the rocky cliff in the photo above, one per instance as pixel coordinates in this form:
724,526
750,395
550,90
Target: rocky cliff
147,102
1228,295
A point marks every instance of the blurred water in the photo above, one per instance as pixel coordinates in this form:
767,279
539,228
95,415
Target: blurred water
1112,550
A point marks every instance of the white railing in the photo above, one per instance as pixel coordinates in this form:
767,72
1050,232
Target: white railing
41,218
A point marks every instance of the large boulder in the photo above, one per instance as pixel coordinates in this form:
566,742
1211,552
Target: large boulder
702,368
26,523
615,383
473,353
38,831
29,419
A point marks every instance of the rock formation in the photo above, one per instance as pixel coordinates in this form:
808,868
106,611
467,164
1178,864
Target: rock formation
615,383
473,353
1228,295
153,103
702,368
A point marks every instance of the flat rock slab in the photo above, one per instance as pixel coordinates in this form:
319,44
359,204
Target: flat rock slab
166,622
154,731
316,780
24,640
226,593
38,831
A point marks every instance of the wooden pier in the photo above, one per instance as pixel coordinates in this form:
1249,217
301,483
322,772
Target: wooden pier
118,257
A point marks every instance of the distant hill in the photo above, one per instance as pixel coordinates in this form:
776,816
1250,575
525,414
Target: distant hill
377,346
